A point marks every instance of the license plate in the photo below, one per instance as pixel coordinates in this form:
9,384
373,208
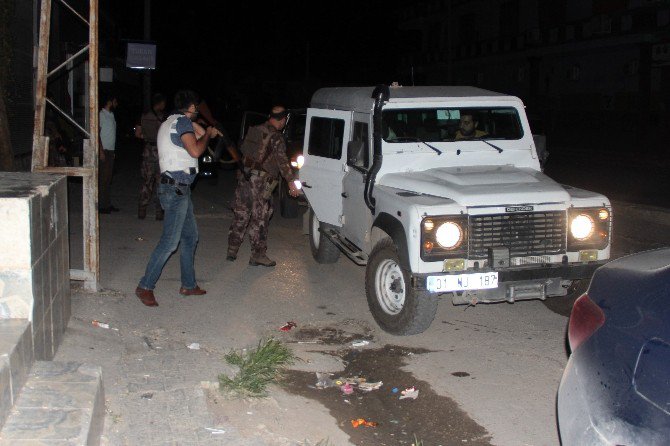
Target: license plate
461,282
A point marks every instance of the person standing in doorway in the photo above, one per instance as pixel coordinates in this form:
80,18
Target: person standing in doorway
178,152
150,170
107,153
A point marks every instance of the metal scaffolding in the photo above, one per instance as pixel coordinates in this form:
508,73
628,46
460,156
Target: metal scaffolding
89,169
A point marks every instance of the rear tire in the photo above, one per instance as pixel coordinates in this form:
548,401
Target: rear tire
323,250
396,306
288,206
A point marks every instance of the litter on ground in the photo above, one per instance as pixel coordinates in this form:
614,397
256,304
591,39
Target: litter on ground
323,380
102,325
194,346
411,393
361,343
215,431
288,326
363,422
368,387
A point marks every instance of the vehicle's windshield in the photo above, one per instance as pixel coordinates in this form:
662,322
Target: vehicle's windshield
451,124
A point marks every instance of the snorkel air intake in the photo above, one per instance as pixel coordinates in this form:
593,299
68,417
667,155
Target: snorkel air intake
380,95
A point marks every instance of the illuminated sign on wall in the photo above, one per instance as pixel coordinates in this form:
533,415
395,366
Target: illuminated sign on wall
141,56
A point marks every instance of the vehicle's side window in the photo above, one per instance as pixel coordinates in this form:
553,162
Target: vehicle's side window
361,158
325,137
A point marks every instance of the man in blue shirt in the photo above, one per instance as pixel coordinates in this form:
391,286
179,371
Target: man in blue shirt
178,152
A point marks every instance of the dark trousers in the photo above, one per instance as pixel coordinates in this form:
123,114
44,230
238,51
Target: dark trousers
105,179
151,174
252,215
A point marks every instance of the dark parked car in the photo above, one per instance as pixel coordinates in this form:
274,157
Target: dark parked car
616,387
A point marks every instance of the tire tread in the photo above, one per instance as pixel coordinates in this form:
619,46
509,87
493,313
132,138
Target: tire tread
420,306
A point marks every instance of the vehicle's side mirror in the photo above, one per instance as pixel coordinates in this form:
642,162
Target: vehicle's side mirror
355,154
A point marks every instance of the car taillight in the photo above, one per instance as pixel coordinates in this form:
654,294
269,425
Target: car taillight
585,319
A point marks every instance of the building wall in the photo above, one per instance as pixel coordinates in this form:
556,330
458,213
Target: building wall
593,66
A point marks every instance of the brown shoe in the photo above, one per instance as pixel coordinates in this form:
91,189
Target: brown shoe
142,213
146,296
197,291
261,260
160,215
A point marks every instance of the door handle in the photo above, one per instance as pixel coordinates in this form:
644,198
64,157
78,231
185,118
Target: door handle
344,195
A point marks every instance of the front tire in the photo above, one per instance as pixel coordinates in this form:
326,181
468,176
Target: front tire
323,250
396,306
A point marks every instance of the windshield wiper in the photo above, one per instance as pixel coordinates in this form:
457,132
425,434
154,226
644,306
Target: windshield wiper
492,145
415,139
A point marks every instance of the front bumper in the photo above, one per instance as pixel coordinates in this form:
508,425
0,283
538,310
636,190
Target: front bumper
561,271
521,283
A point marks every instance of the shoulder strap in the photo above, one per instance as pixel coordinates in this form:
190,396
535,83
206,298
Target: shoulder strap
266,151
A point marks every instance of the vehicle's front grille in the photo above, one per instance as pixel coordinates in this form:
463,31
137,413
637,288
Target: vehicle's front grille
525,234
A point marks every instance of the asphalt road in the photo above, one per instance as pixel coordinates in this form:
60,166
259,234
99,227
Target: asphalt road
492,370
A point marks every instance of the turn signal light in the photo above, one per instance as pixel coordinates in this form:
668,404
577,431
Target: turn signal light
603,214
428,246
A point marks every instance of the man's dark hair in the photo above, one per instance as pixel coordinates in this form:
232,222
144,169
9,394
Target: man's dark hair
184,98
472,113
106,96
157,98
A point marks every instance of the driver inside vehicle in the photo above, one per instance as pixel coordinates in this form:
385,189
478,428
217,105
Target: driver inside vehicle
388,132
467,128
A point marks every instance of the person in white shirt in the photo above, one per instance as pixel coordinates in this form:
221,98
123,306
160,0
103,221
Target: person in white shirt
107,153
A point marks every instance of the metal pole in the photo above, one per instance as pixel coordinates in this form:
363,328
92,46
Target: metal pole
40,153
90,182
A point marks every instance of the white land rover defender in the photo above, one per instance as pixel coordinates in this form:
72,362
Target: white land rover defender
438,190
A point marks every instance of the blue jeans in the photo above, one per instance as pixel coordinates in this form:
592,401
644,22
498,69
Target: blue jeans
178,228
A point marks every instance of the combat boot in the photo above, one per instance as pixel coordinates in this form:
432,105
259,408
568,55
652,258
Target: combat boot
261,260
141,213
231,256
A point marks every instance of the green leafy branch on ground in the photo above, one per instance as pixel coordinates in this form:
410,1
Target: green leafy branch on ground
258,368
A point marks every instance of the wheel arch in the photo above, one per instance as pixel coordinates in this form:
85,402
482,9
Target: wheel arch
394,229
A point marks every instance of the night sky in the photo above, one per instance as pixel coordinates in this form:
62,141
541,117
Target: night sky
226,50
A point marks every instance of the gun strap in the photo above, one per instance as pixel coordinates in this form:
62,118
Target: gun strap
267,152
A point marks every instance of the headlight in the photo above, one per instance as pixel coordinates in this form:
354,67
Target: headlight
589,228
582,227
444,237
449,235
